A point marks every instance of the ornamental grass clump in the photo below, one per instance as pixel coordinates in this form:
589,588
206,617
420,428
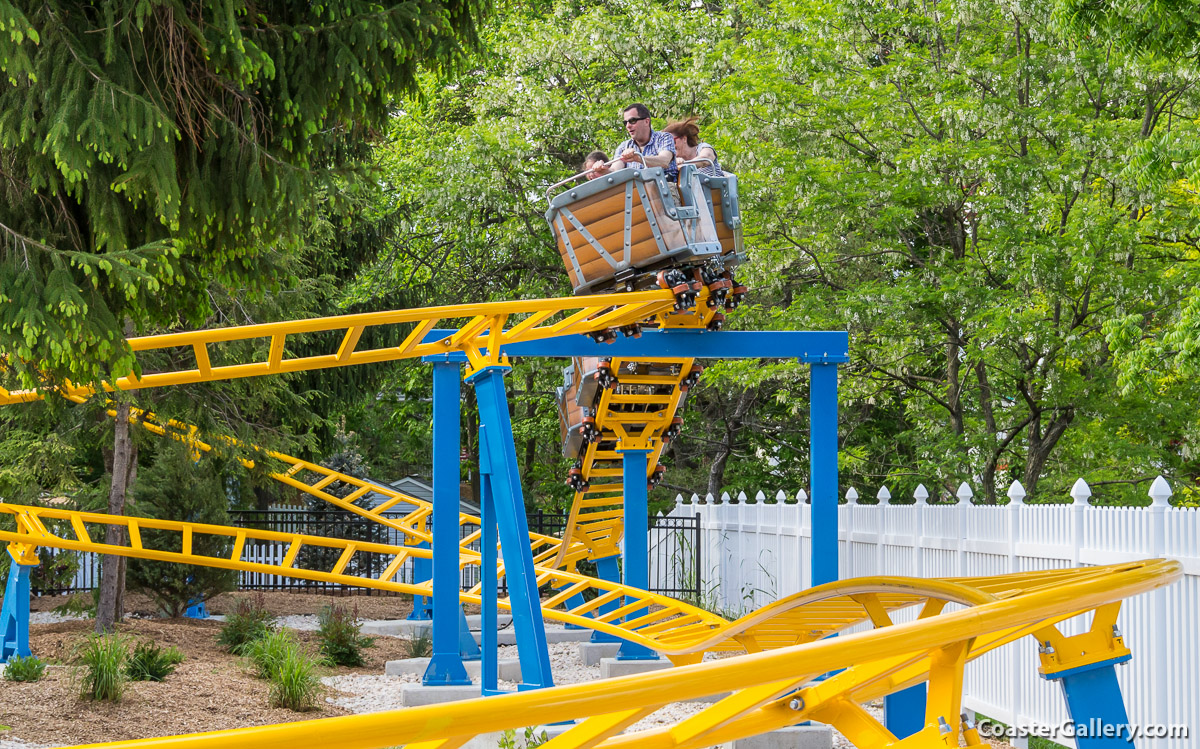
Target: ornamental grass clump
30,668
342,640
293,674
295,683
103,659
248,622
149,662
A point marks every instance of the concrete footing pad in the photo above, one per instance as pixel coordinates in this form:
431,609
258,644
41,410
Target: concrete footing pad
509,669
794,737
416,695
591,653
610,667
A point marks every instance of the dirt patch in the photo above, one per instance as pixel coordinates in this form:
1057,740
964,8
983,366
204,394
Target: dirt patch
280,603
211,690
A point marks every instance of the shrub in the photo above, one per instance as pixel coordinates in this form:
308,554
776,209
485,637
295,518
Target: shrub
149,662
77,605
295,683
342,641
508,740
24,669
103,658
249,621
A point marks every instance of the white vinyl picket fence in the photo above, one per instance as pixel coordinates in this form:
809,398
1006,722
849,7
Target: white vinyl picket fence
756,551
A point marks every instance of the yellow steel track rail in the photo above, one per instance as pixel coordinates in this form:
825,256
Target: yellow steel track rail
679,631
482,327
766,690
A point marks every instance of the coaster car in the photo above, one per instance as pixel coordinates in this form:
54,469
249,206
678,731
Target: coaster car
618,231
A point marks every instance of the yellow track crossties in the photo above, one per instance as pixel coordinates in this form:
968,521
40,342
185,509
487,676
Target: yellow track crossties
481,330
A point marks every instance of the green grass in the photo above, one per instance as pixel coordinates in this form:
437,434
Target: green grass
24,669
267,652
103,658
295,683
420,645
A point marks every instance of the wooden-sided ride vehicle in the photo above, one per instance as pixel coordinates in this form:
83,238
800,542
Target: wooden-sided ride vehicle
634,229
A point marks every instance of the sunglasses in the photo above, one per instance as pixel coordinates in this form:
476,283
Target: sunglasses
635,120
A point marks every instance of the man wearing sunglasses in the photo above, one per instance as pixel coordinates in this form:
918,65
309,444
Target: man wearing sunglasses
645,146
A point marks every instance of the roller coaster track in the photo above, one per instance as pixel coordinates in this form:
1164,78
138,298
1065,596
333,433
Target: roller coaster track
788,643
594,524
482,329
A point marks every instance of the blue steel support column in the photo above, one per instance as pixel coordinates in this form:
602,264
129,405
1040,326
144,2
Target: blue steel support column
487,576
446,666
526,605
904,711
823,449
608,568
637,552
14,615
1095,705
422,610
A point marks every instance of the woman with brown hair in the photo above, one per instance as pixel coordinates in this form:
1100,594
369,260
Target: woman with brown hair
688,146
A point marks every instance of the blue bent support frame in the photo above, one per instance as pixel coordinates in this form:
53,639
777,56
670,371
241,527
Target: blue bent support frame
14,615
637,532
422,570
503,503
1095,704
508,503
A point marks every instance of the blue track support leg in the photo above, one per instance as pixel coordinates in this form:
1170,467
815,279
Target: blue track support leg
422,610
509,502
608,568
637,552
14,615
467,647
904,711
1096,706
488,582
446,666
823,449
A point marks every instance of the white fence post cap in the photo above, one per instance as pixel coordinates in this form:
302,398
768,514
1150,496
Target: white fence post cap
695,499
1160,492
921,493
710,499
742,497
964,493
780,497
725,498
1016,493
883,495
852,494
1080,492
801,496
678,499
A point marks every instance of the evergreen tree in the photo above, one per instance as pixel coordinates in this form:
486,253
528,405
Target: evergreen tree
176,487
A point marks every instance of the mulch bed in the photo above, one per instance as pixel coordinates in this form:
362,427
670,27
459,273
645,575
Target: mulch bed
211,690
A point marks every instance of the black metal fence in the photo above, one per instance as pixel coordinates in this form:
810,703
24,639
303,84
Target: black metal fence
674,544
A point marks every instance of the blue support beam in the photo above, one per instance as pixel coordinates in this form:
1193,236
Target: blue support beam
509,504
809,346
446,666
637,551
608,568
823,454
904,711
14,615
488,580
1095,705
422,610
